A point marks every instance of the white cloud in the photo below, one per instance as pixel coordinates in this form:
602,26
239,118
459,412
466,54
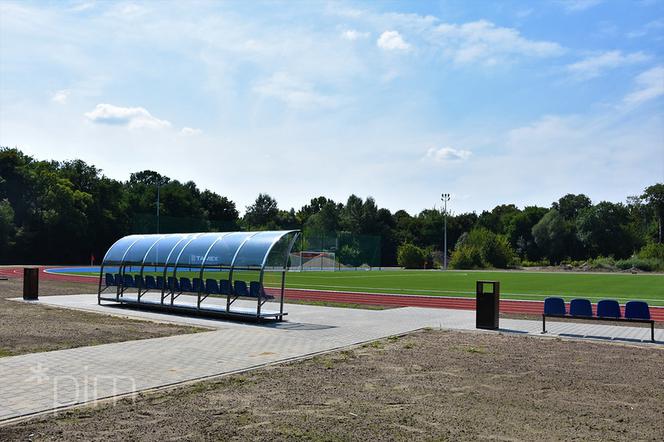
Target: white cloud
352,35
447,154
578,5
483,41
655,25
392,41
128,11
295,93
132,117
190,131
594,66
61,96
649,85
84,6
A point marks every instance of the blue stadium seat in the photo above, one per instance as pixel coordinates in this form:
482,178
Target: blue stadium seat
608,308
118,278
198,285
160,282
128,281
224,287
240,288
150,283
637,310
211,286
256,290
138,281
110,280
554,306
185,285
173,284
580,307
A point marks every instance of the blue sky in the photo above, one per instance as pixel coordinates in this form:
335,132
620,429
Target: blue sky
493,102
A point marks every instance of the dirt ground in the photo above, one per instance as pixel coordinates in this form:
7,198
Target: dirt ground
27,328
430,385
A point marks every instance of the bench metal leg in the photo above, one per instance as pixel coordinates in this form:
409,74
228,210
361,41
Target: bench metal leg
543,324
652,331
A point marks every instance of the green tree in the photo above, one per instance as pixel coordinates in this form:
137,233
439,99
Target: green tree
286,220
7,230
553,235
604,230
498,219
570,205
262,213
403,230
220,211
654,196
351,215
520,232
314,206
410,256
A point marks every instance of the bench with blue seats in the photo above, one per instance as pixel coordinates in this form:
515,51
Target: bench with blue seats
254,290
110,281
177,286
607,310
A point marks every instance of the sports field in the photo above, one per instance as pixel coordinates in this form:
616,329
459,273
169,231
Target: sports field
526,285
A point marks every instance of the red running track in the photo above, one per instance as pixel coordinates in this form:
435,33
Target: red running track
387,300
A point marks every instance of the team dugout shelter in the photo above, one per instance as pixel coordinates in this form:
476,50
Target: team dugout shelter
220,273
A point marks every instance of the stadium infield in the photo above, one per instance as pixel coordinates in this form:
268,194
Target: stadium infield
517,285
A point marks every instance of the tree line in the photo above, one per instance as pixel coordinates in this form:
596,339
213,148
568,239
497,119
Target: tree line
64,212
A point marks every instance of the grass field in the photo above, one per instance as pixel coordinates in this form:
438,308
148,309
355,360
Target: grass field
514,284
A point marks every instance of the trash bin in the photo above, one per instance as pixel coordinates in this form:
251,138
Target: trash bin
487,304
30,283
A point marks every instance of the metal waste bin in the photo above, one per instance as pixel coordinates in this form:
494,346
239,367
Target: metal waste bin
487,304
30,283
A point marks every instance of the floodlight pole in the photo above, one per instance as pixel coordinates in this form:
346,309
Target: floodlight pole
160,183
158,187
445,197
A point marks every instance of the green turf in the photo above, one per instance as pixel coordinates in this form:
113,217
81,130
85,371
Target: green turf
514,285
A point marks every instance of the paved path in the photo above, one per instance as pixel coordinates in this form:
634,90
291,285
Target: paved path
41,382
383,299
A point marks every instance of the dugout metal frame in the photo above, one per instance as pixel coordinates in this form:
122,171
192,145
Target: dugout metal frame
224,252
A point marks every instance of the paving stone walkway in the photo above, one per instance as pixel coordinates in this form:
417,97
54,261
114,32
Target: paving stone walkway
42,382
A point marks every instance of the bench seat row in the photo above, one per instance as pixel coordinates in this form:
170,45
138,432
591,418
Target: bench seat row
607,310
183,284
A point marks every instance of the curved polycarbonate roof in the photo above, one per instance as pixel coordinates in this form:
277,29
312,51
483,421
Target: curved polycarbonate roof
211,249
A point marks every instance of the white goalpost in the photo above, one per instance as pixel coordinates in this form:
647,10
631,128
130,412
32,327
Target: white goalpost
312,260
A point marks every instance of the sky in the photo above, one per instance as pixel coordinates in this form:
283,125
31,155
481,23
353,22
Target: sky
493,102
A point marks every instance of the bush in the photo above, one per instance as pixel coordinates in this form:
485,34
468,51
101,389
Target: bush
411,257
645,264
602,263
467,258
541,263
481,249
652,251
350,254
573,263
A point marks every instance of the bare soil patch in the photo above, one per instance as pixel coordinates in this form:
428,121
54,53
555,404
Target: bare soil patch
430,385
28,328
